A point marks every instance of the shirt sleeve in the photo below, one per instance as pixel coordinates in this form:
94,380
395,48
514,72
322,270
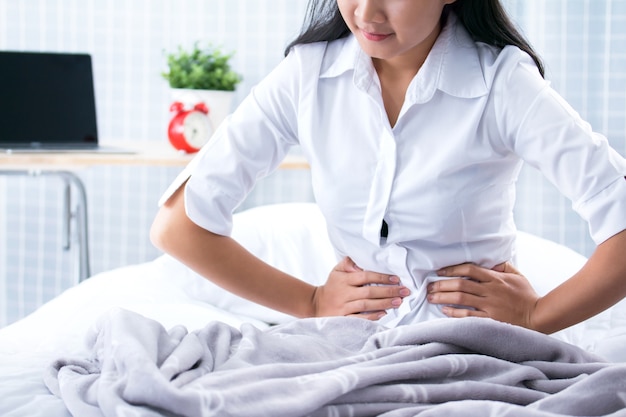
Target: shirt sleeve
546,132
248,145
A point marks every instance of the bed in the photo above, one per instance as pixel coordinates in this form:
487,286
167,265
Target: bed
155,339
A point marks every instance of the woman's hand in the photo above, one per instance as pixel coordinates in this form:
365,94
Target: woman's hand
348,291
501,293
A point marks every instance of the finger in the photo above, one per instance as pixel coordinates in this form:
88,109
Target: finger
456,298
456,285
370,315
507,268
368,278
500,267
462,312
347,265
382,292
468,270
359,277
369,305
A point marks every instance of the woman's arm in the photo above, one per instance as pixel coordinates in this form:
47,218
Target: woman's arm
597,286
229,265
504,294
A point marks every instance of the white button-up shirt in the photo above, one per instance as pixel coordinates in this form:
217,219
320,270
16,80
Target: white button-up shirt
443,178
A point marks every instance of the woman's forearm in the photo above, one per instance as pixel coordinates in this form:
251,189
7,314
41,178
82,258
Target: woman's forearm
597,286
226,263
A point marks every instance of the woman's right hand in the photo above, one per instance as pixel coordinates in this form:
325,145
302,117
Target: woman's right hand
351,291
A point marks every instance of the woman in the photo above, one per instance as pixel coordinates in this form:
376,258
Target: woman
415,116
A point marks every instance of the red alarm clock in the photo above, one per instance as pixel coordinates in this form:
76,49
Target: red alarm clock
190,129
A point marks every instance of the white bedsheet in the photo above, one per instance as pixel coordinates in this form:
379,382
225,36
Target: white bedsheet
164,290
28,346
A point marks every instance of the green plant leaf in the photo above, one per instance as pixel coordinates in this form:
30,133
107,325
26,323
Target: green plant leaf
201,68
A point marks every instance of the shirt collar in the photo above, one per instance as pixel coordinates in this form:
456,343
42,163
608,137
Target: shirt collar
452,66
341,56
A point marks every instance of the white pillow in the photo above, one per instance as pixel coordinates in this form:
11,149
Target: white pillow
289,236
546,264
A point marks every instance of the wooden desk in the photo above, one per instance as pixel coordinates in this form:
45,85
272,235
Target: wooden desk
61,164
146,154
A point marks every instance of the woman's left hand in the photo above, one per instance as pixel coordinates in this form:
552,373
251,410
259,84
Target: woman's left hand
501,293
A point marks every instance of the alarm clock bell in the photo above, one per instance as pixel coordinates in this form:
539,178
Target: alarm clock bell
189,129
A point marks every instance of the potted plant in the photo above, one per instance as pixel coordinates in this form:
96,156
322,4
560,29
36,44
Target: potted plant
203,75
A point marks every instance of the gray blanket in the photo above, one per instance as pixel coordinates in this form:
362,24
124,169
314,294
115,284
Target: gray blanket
333,367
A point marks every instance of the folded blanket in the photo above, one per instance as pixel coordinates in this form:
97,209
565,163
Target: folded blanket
333,367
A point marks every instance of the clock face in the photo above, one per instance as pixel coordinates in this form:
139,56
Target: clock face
197,129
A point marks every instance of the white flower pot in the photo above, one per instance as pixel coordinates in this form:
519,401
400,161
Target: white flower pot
218,102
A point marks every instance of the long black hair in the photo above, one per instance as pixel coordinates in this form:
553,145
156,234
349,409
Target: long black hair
485,20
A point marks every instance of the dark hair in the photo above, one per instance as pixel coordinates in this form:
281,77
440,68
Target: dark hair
485,20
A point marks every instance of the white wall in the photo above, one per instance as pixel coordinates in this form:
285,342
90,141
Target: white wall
127,41
583,44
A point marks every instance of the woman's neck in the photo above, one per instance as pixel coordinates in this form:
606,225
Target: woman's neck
396,73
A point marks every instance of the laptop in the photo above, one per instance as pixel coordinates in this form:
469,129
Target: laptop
47,103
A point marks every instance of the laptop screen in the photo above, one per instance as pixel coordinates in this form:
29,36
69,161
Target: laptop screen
47,100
